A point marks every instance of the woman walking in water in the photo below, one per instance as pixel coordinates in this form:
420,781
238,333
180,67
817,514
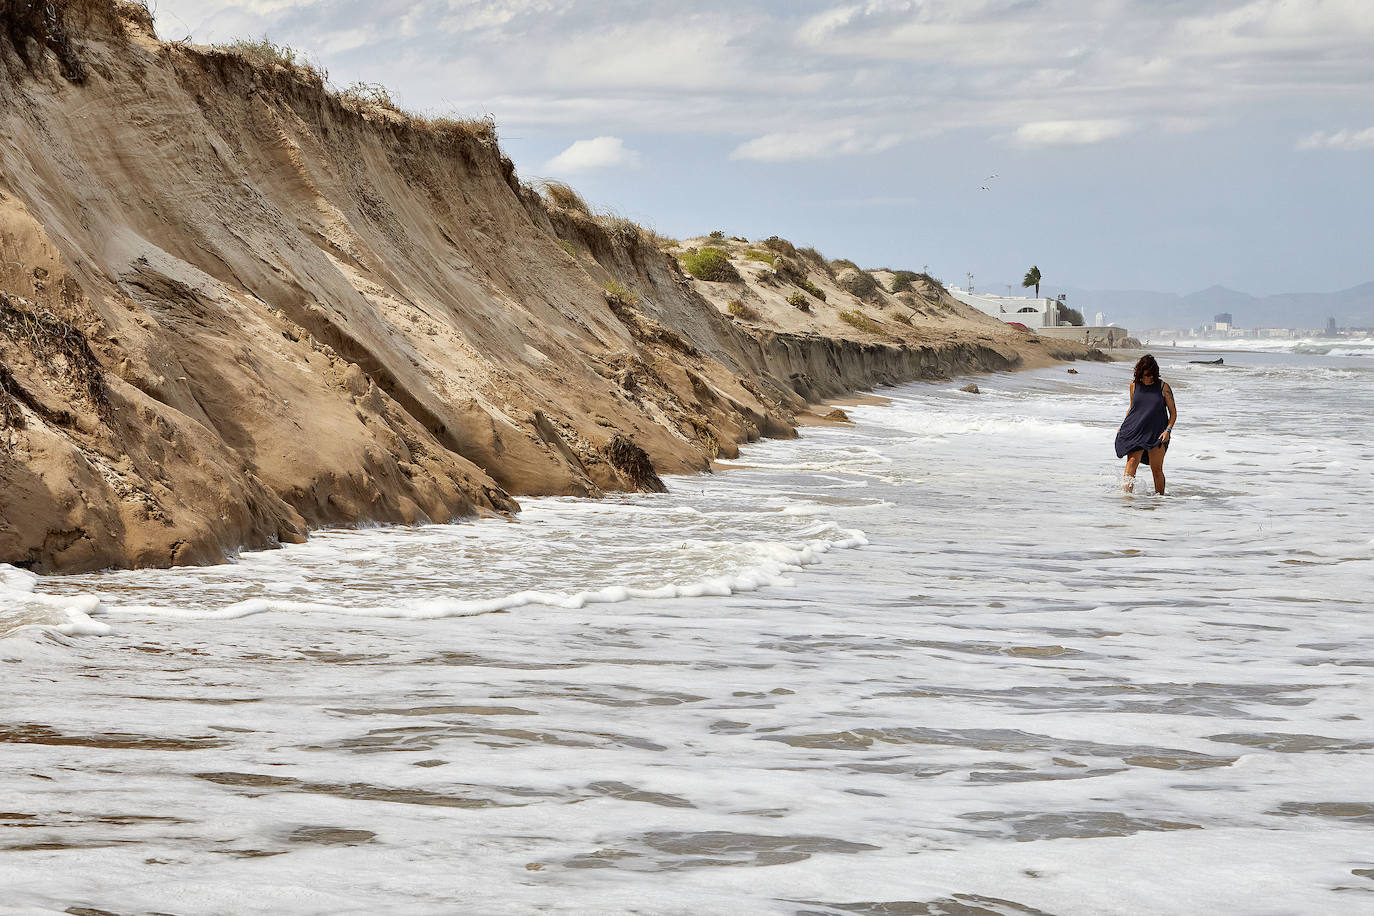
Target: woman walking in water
1144,434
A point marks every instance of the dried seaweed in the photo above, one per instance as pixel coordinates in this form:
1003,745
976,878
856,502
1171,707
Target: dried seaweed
63,352
634,463
41,21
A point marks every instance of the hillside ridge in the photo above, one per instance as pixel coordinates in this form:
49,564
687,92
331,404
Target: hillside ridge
235,307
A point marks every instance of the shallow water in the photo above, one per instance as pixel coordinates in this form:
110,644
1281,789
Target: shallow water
932,663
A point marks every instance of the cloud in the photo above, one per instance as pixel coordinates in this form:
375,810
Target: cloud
883,68
597,153
791,146
1069,133
1339,140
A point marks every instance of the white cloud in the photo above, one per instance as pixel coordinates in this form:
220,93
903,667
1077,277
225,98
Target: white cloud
1339,139
885,68
791,146
1070,133
597,153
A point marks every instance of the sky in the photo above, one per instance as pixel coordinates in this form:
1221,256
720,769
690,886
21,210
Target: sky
1116,144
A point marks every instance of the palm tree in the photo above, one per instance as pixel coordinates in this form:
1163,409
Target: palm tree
1033,279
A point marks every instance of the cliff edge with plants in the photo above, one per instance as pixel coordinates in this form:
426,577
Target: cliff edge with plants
236,305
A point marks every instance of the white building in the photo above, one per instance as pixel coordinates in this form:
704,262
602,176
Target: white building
1033,313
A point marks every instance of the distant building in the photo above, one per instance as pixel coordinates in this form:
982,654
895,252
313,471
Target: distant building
1224,321
1330,327
1033,313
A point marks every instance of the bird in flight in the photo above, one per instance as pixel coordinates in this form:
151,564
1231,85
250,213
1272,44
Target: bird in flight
991,178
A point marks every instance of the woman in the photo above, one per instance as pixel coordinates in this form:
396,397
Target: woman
1144,434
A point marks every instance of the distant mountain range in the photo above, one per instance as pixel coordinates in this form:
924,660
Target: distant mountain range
1352,307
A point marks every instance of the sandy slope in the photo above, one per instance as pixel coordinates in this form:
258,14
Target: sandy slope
233,308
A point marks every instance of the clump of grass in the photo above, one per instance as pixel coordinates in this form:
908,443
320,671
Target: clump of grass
364,96
568,247
483,128
753,254
717,235
621,229
799,301
710,264
843,264
618,293
812,288
562,196
657,239
780,245
739,310
261,52
861,321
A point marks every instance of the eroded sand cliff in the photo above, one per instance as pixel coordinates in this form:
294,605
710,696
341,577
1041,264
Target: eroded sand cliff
233,308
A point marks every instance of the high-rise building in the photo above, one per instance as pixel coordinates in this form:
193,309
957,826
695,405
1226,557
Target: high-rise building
1330,327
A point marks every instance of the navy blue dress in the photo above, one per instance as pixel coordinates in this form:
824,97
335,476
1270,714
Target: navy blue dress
1145,423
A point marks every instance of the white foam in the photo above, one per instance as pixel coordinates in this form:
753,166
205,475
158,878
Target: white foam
1049,695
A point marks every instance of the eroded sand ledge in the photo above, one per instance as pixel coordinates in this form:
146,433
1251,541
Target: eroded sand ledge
233,309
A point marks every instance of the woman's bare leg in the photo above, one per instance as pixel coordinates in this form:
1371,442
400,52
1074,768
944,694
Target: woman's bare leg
1157,468
1132,462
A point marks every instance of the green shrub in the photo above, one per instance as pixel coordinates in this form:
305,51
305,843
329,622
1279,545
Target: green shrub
861,321
843,264
753,254
780,245
812,288
901,280
710,264
568,247
740,310
856,282
618,293
717,235
798,301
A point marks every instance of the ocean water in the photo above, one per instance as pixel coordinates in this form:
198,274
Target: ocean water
931,663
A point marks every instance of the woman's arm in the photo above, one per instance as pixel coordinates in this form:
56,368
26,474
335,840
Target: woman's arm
1173,411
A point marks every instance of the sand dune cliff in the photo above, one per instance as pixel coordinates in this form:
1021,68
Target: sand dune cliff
234,308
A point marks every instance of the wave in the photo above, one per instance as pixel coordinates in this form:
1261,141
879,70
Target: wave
1308,346
762,564
22,607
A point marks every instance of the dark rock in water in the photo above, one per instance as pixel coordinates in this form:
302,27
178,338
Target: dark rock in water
633,463
1207,362
1073,372
971,388
837,415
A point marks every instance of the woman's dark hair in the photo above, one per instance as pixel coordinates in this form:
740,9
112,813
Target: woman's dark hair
1146,364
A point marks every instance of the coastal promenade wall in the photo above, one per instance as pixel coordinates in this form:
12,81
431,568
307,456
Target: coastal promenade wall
236,306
